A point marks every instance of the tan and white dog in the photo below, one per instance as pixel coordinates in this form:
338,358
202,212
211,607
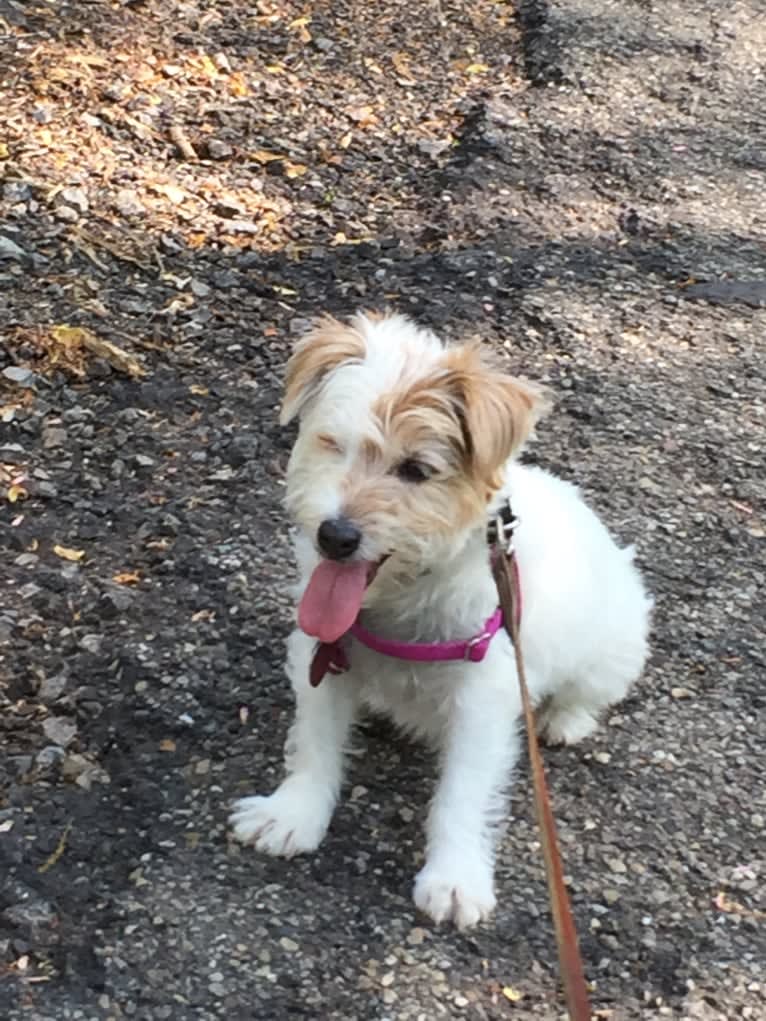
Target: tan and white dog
404,449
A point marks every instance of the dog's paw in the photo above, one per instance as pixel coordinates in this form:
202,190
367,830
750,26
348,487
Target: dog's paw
569,725
290,821
463,894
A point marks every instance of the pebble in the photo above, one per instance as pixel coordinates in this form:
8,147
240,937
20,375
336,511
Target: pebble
416,936
288,944
127,203
10,250
74,197
617,865
18,373
60,730
53,436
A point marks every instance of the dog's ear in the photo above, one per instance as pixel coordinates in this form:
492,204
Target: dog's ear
497,412
325,348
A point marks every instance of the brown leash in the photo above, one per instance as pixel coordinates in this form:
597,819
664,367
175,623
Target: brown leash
500,537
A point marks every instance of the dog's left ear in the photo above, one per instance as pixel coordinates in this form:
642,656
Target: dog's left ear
320,352
497,412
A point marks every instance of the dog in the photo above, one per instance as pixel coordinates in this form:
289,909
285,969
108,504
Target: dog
406,448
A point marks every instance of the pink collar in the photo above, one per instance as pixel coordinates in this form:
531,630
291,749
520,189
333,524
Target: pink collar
333,658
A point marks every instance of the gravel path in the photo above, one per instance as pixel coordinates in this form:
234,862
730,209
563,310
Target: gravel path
582,185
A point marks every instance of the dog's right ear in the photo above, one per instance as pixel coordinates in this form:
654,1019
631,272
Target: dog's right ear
325,348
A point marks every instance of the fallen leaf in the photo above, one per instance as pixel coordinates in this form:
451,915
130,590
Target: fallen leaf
3,151
198,390
401,63
295,169
237,84
127,578
73,339
167,744
477,68
16,492
59,850
299,26
67,553
514,995
264,156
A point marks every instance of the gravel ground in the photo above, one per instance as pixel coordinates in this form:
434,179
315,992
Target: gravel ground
582,185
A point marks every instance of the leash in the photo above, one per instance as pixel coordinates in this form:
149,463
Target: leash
505,572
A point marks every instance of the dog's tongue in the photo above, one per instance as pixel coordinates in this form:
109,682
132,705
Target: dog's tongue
331,602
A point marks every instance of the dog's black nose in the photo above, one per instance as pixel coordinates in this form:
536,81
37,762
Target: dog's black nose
338,538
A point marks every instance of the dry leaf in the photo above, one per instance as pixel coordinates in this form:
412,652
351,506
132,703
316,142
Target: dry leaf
16,492
198,390
72,340
295,169
237,84
264,156
514,995
127,578
167,744
401,63
3,151
66,553
60,847
299,26
477,68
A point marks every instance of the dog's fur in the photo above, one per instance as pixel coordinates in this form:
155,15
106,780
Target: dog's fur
370,395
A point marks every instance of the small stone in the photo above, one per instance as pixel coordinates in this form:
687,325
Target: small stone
617,865
73,765
143,461
92,643
27,560
200,289
60,730
48,756
172,70
74,197
202,767
288,944
52,687
681,693
758,820
127,203
218,150
239,227
611,896
416,936
461,1001
603,757
10,250
389,996
358,792
387,979
53,437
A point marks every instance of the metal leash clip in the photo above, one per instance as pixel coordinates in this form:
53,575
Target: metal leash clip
504,524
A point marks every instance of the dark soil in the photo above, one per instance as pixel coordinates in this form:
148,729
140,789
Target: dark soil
580,184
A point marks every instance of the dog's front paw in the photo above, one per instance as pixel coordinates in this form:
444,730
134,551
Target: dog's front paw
461,892
290,821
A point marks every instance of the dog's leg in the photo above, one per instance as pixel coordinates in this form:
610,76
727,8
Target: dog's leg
294,819
480,749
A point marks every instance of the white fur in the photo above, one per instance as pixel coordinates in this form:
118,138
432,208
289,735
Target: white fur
583,635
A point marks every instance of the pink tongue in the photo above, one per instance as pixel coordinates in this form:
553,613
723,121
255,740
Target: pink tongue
331,602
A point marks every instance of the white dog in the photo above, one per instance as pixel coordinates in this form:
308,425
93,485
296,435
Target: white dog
404,449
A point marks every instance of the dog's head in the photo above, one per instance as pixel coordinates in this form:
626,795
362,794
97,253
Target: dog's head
402,445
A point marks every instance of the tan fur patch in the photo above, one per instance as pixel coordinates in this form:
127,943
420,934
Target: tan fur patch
328,345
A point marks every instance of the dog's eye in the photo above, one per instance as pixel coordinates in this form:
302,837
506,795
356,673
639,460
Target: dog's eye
411,470
329,443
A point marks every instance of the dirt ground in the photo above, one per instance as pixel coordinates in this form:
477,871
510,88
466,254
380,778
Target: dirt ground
183,185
